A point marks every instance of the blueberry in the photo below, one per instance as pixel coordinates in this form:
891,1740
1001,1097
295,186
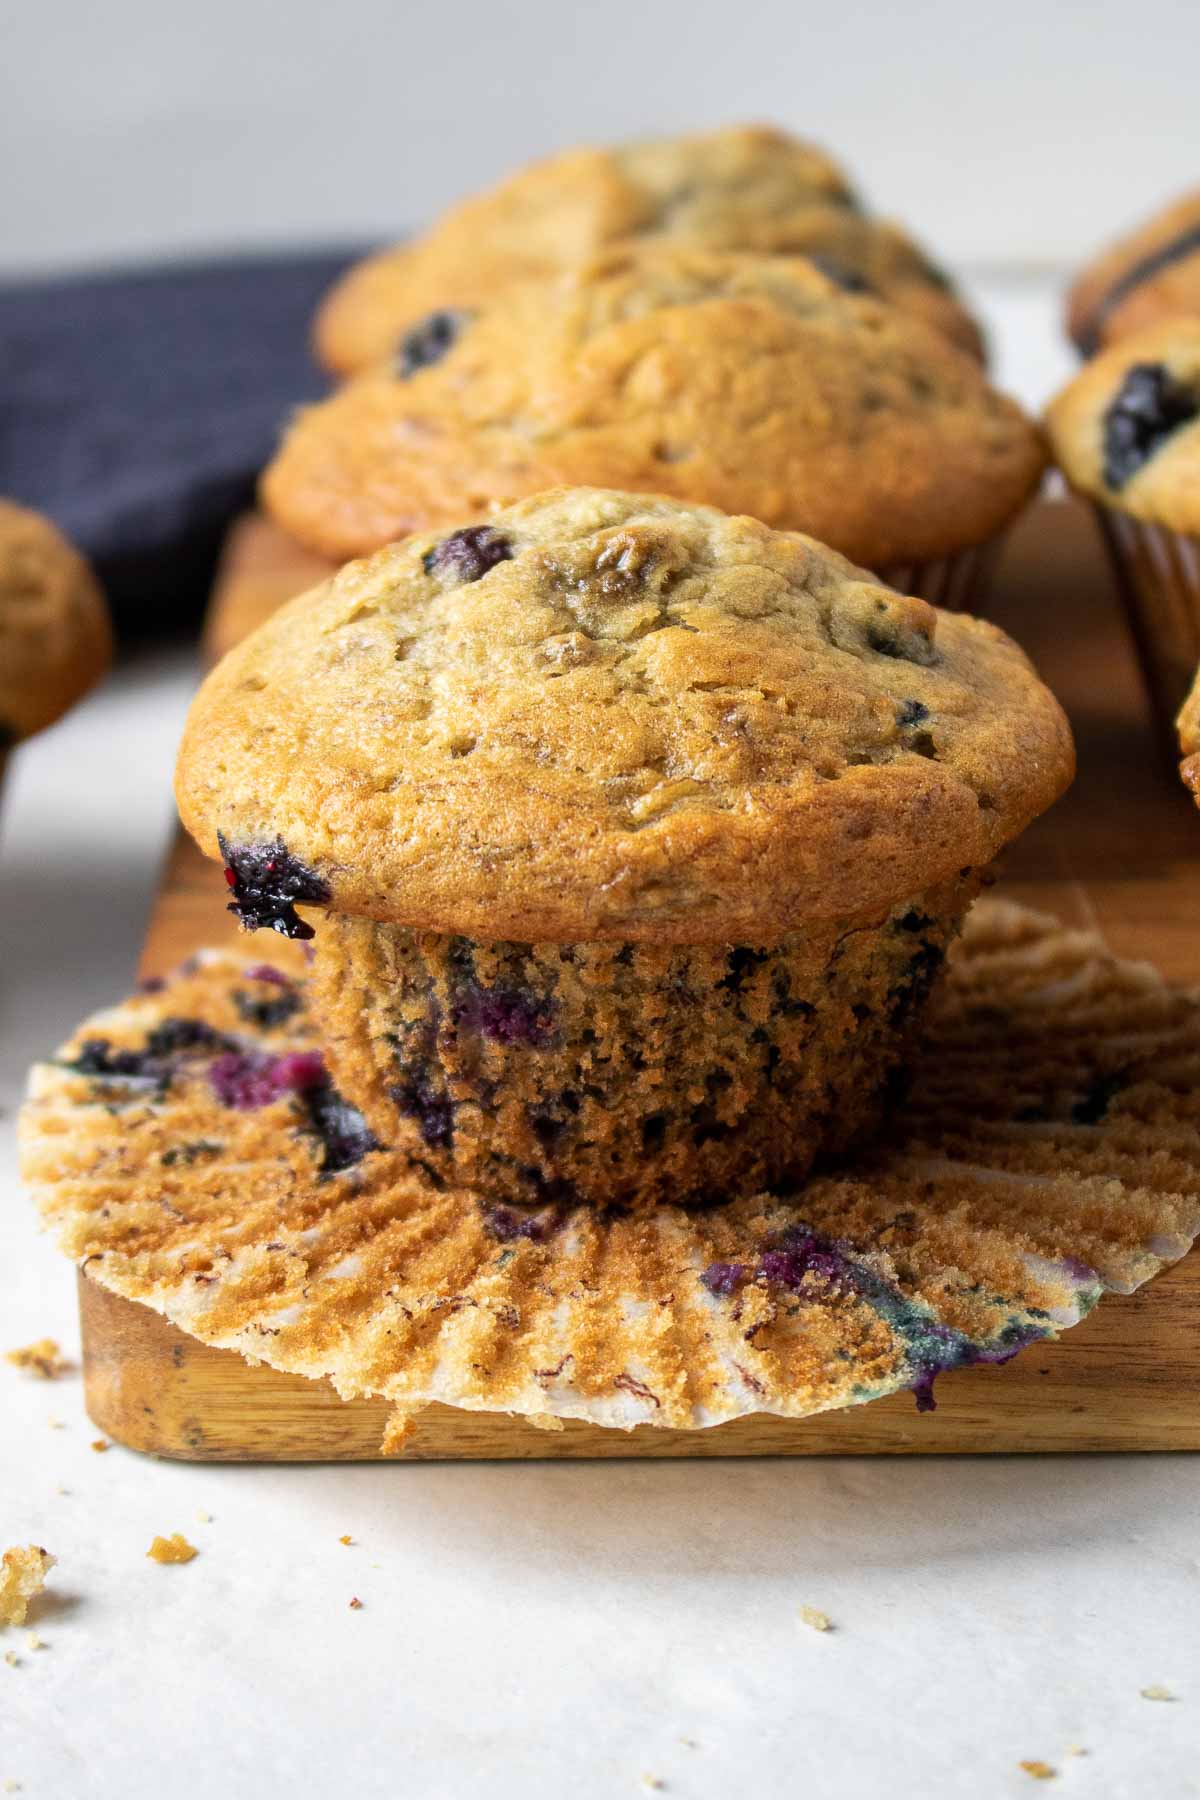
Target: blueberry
433,1112
428,341
1150,406
344,1133
506,1015
851,281
468,554
266,881
245,1081
911,712
797,1252
723,1278
267,1014
507,1225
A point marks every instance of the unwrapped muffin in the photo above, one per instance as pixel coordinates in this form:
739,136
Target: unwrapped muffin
1126,432
1151,274
641,832
742,188
55,641
755,384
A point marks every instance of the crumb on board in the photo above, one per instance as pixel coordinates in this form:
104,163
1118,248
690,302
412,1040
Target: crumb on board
1156,1691
544,1421
100,1444
203,1518
56,1424
12,1787
173,1549
654,1784
355,1603
43,1359
396,1433
1041,1771
33,1641
22,1577
12,1659
815,1618
346,1539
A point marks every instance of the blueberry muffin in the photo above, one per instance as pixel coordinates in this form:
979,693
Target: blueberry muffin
1126,432
743,188
640,832
755,384
1149,275
54,633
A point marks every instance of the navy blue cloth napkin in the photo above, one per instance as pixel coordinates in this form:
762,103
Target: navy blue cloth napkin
136,409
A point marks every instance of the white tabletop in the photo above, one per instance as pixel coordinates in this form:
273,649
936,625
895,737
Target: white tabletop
534,1629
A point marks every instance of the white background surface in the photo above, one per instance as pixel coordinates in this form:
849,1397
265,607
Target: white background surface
535,1631
1027,129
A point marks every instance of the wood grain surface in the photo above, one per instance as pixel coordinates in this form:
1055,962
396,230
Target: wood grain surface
1121,855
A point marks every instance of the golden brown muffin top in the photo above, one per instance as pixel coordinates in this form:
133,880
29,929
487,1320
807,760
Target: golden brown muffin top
601,715
1150,274
1126,429
54,632
751,383
747,188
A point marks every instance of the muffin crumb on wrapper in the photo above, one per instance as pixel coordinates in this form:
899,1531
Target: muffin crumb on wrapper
618,1073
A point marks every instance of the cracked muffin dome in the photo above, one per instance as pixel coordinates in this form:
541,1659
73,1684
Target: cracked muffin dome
1126,430
1150,274
605,716
55,641
744,188
754,384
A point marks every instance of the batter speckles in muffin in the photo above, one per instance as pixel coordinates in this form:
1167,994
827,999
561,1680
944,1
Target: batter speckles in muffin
641,844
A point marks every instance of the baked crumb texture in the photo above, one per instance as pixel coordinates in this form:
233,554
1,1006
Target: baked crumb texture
627,1074
43,1360
173,1549
23,1572
1049,1150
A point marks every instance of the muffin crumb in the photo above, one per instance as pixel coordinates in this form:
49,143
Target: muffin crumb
173,1549
23,1573
814,1617
42,1359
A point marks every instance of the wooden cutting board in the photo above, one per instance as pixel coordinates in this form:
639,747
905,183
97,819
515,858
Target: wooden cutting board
1121,854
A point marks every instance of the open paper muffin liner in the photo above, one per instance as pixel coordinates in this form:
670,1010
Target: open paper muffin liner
1158,575
960,582
188,1149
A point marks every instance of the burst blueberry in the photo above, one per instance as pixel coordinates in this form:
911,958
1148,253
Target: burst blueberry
266,882
428,341
468,554
1150,406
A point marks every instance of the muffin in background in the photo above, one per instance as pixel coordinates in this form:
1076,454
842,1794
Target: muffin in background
756,384
640,832
1189,739
55,640
1150,274
747,188
1126,433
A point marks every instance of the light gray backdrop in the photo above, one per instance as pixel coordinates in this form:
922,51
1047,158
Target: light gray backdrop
1009,132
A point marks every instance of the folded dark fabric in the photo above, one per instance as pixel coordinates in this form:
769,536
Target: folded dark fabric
136,409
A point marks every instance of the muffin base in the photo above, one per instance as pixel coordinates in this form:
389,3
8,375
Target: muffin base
624,1074
1158,575
960,582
